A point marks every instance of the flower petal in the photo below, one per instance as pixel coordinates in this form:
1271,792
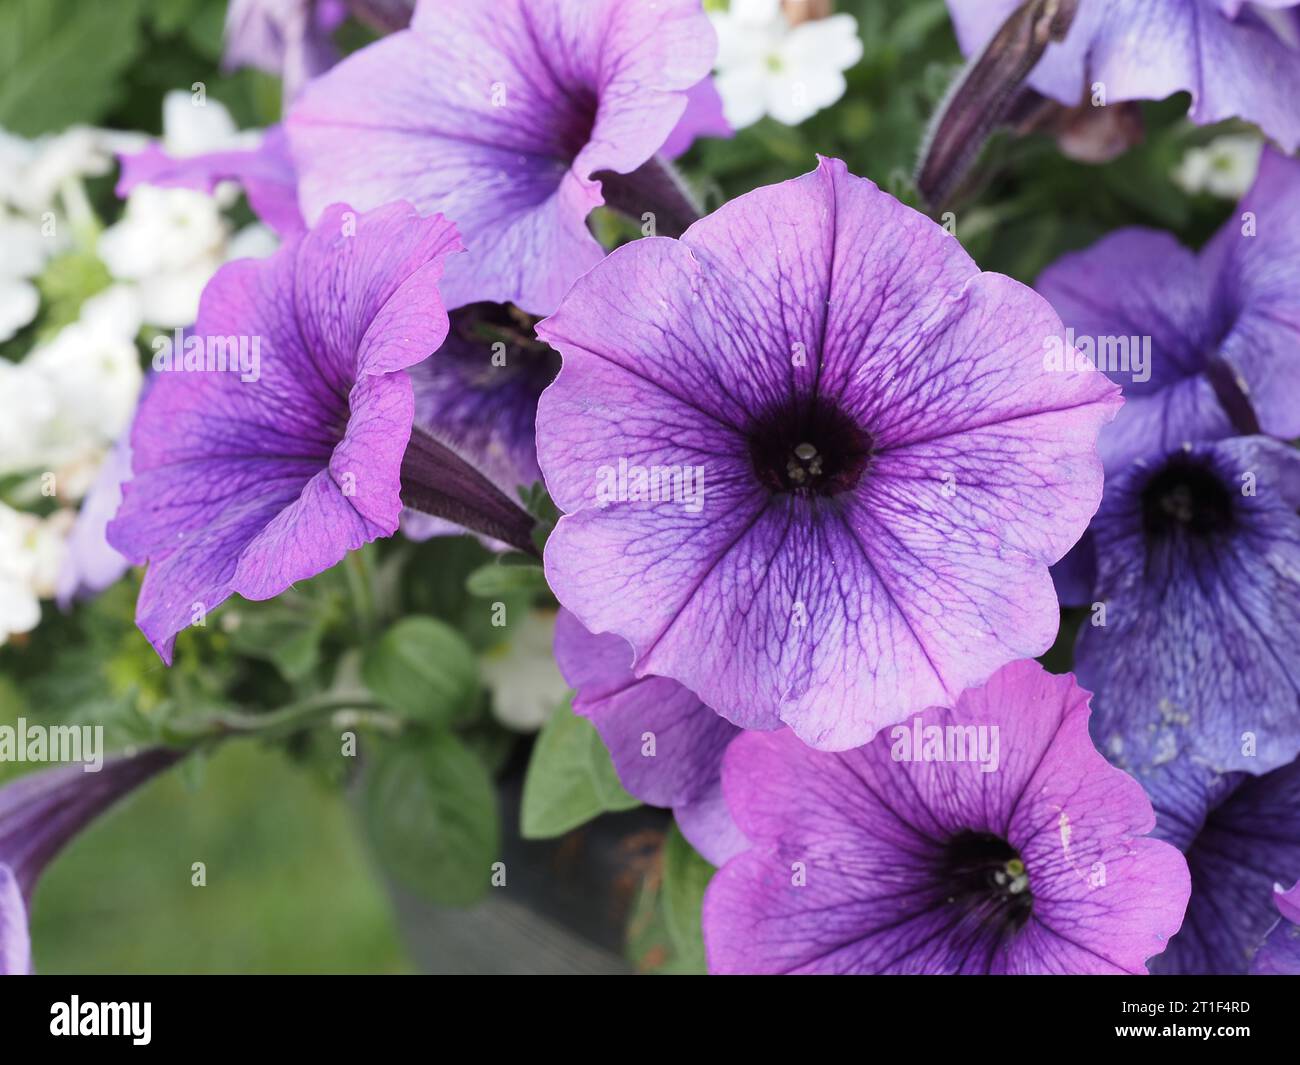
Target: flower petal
499,116
667,745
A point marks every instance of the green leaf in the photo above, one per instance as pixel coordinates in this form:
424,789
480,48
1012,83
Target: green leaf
500,580
171,16
206,29
686,875
290,640
423,668
62,61
430,812
570,778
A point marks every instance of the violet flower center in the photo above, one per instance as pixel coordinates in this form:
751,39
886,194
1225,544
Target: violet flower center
1185,498
809,450
578,123
985,876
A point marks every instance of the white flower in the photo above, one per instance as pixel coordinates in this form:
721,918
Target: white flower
20,608
32,173
94,367
28,404
169,242
26,249
1225,167
31,550
15,155
194,128
71,398
767,67
522,675
254,241
19,302
25,253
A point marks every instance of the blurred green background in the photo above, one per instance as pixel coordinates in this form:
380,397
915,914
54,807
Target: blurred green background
290,887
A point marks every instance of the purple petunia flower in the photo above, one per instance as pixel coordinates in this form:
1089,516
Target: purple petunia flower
666,745
1279,955
1206,345
1198,573
287,38
813,466
507,116
1237,59
250,478
990,838
1241,836
265,172
39,814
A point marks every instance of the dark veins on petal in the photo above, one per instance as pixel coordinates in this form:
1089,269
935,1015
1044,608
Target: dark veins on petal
808,449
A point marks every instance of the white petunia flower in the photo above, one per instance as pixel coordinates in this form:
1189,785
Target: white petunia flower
33,173
19,302
63,405
194,128
94,368
20,608
26,249
169,242
28,404
32,550
254,241
767,67
1225,167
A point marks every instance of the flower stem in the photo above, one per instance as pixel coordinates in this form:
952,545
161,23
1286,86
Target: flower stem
282,722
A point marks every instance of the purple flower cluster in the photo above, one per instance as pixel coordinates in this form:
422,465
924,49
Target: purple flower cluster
1191,567
815,469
